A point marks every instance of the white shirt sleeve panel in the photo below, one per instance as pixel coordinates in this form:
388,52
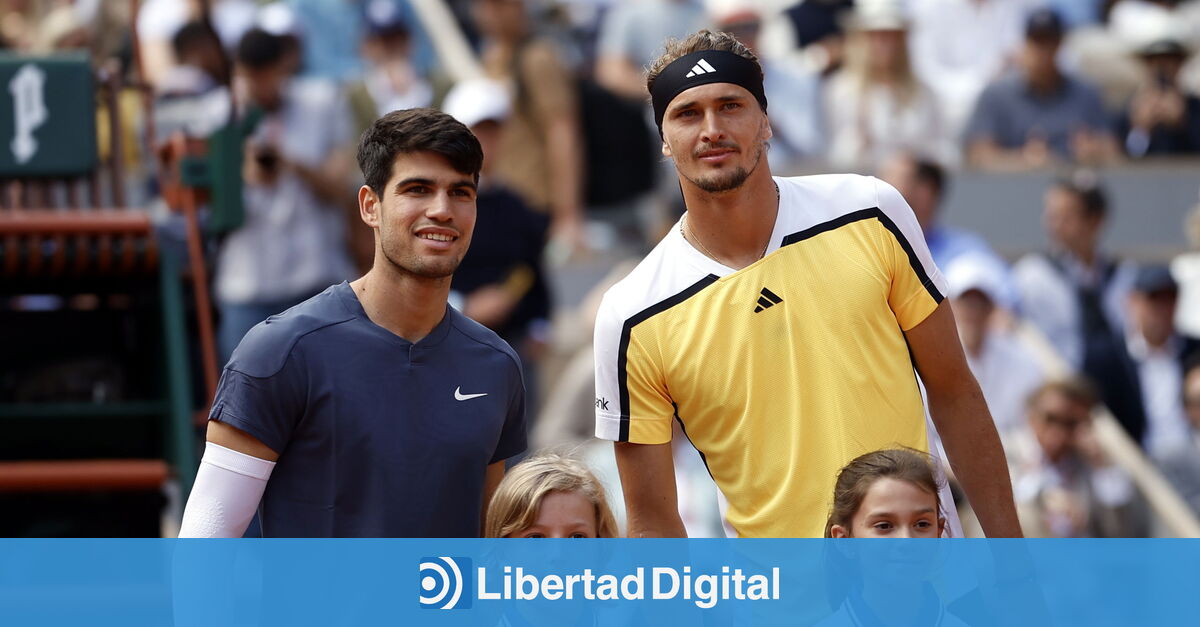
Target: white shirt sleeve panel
607,341
228,488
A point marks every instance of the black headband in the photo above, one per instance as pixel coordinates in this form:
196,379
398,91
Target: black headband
703,68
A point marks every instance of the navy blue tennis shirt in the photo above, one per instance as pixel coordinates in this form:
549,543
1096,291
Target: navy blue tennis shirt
377,436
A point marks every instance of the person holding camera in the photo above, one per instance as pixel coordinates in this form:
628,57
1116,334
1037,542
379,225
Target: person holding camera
1161,118
296,168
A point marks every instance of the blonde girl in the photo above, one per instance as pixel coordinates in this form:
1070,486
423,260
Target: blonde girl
550,496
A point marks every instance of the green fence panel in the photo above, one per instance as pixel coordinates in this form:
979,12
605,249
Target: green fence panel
47,116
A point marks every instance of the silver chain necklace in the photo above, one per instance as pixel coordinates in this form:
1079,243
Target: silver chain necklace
683,230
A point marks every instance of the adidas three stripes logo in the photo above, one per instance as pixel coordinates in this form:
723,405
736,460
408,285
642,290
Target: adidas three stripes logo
766,300
701,67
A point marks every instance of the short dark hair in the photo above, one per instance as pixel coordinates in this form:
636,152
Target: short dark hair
416,130
259,49
192,36
1085,185
931,173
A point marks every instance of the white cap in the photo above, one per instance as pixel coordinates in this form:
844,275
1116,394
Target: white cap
279,19
475,100
880,15
974,271
1154,31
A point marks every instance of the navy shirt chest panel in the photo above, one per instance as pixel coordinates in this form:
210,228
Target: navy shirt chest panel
386,443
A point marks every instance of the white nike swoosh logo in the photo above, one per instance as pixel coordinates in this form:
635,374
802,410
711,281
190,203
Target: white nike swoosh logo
459,396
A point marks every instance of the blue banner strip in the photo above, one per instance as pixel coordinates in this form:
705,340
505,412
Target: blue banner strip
599,582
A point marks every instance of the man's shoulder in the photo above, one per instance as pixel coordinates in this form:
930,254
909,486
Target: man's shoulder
315,91
1034,272
1003,89
1008,349
266,347
819,199
1035,263
833,185
476,334
663,275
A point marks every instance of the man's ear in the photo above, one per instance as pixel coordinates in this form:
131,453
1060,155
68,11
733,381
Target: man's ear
666,149
768,133
368,206
838,531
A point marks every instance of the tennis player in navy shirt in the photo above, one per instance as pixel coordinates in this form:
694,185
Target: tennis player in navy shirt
372,409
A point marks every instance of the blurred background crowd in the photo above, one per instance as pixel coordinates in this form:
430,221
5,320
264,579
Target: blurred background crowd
1048,147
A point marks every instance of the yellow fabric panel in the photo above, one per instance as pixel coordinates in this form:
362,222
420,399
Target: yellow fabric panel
650,408
779,400
910,298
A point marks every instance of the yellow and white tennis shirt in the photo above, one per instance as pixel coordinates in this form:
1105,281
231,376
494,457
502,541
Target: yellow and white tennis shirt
782,372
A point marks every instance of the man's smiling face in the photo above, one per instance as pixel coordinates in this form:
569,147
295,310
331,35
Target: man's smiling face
425,215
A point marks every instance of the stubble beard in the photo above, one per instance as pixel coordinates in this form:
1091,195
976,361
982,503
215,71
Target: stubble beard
413,265
728,181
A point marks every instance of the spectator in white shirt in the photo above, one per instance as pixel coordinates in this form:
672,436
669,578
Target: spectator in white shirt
1007,372
876,106
1159,353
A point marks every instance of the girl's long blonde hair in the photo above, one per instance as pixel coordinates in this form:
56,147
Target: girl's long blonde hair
903,79
518,499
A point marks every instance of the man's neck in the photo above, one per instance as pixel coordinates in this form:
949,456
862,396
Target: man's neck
733,227
1045,84
1085,255
1156,343
406,305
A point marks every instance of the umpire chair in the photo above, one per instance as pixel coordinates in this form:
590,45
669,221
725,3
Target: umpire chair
95,381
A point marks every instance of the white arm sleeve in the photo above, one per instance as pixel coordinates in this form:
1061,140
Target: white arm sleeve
228,488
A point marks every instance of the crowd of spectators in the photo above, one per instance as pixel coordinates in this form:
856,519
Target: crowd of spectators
909,91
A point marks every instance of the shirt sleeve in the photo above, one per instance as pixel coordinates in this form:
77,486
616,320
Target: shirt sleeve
266,407
917,285
513,437
632,403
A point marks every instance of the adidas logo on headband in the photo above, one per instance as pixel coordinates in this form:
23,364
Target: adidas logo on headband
735,70
701,67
